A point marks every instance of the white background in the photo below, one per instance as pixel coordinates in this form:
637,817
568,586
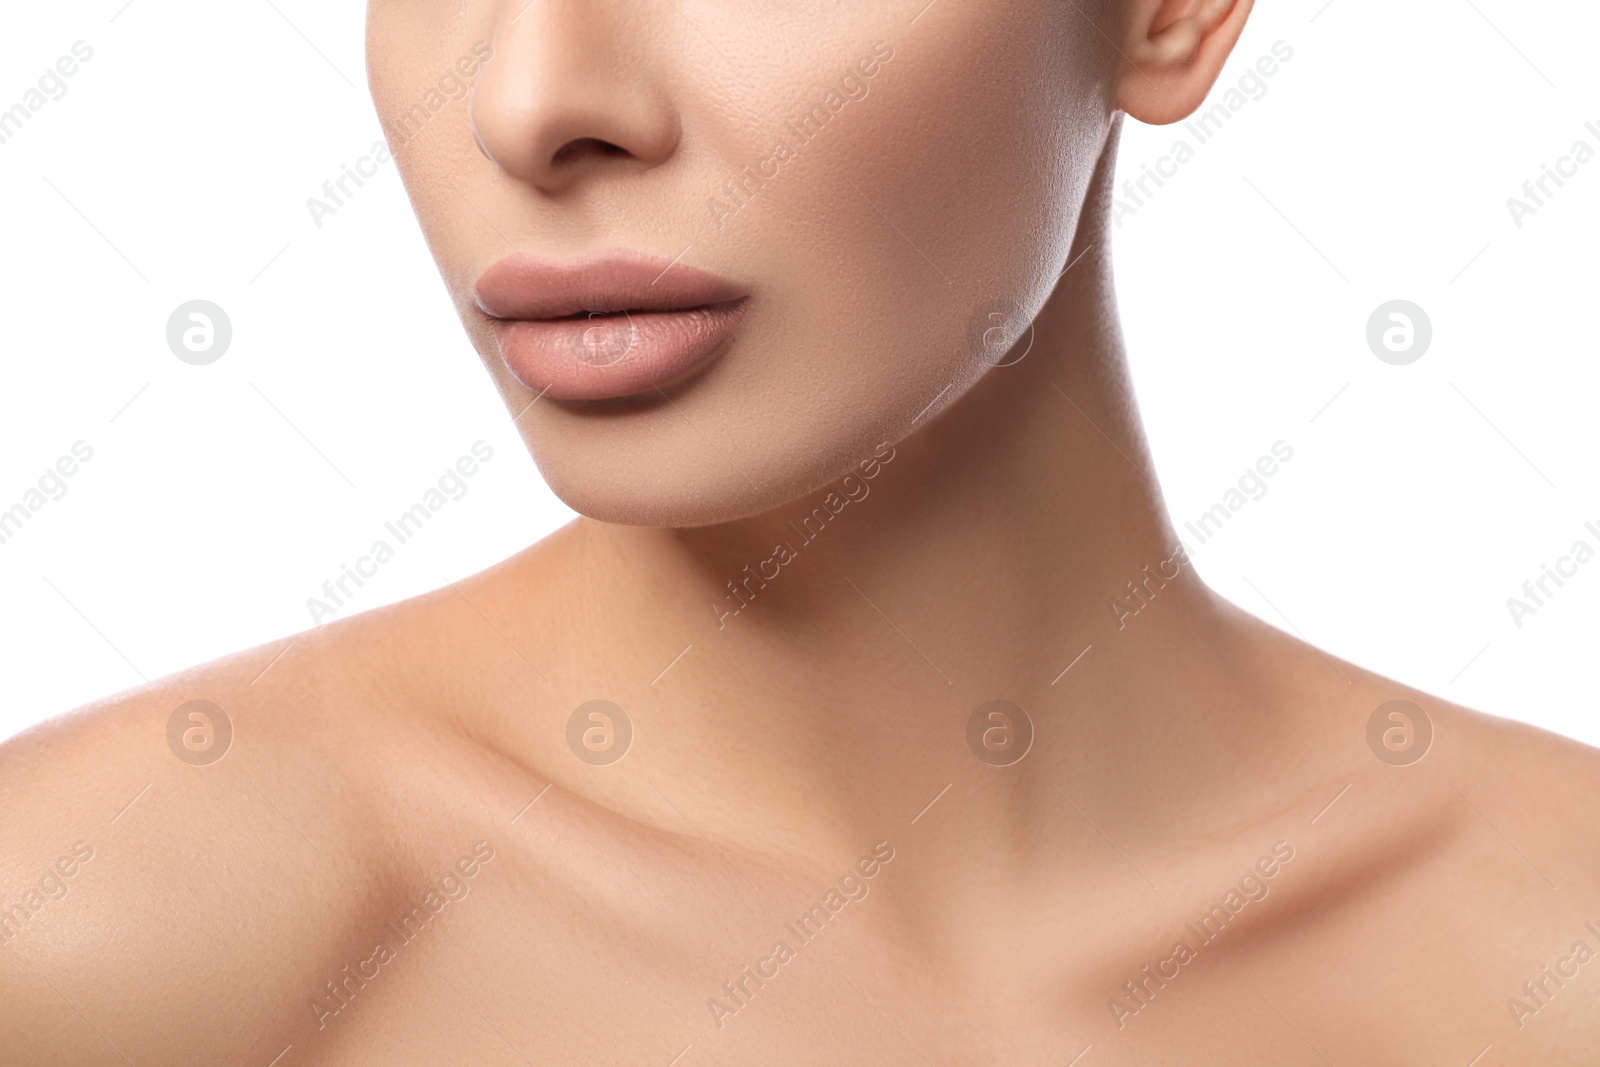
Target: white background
1376,166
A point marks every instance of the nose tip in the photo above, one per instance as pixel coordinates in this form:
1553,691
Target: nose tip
551,141
562,99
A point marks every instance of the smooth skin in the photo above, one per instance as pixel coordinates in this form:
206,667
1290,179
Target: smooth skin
414,760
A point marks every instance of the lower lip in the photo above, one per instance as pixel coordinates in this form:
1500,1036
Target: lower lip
599,357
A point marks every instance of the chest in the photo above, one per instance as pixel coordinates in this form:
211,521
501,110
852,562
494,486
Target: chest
510,975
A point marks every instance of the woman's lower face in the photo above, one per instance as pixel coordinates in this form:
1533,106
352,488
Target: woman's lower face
851,207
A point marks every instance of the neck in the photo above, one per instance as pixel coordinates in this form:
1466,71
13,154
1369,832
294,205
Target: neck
1014,548
820,663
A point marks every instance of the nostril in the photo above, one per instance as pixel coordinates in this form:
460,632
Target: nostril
586,147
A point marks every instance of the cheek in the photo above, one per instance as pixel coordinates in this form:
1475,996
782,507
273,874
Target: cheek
412,50
392,59
950,189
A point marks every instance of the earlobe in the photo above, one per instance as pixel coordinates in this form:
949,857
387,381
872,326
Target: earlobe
1175,49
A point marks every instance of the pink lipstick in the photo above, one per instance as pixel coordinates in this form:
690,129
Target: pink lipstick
606,324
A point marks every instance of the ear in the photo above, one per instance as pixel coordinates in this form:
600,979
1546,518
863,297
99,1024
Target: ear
1175,48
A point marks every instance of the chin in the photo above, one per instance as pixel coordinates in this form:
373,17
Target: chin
653,469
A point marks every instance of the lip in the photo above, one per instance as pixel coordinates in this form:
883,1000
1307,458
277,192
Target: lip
606,324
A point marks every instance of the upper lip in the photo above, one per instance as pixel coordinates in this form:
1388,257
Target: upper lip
526,286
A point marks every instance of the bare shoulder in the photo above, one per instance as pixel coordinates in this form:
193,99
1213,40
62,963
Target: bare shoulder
1480,854
1452,777
221,838
1525,874
1544,788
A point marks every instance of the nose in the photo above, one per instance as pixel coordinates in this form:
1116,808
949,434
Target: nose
572,92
